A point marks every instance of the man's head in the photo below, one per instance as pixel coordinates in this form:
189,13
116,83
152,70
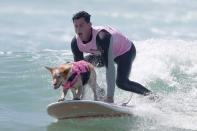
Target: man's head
82,25
82,14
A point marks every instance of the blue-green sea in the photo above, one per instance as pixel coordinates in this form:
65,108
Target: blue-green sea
37,33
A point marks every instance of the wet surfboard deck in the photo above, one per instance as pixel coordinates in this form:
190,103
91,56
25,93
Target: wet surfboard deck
86,108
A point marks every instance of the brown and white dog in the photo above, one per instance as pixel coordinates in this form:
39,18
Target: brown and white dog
74,76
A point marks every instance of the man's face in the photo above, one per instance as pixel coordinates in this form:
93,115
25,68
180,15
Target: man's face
82,29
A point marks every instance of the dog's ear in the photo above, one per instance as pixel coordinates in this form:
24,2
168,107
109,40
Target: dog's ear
49,68
65,70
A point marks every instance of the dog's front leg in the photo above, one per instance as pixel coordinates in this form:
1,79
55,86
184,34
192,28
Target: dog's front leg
80,92
83,92
62,98
76,95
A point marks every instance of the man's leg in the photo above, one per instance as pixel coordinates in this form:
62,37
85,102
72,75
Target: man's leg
124,64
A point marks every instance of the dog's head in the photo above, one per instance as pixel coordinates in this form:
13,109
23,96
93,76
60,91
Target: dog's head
59,74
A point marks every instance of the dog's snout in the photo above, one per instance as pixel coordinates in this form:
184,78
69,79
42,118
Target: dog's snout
55,86
54,82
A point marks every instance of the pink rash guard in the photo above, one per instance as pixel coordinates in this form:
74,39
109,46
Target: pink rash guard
121,44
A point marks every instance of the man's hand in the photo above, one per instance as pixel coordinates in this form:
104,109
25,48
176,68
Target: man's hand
109,99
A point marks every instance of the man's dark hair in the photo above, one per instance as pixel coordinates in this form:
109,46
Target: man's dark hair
82,14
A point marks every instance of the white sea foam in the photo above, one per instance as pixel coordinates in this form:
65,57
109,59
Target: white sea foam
157,59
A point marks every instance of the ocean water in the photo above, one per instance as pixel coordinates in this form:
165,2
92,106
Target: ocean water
36,33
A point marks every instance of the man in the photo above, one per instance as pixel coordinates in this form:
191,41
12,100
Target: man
107,46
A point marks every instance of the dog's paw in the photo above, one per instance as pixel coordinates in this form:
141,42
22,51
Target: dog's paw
76,99
61,99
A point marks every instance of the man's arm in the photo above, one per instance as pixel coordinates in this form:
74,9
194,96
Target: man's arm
77,54
104,44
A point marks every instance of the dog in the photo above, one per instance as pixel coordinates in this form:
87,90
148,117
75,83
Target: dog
75,76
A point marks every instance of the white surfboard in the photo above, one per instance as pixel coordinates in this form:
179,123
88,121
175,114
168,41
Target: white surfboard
85,108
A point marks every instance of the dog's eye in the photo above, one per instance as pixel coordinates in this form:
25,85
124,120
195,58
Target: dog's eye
57,76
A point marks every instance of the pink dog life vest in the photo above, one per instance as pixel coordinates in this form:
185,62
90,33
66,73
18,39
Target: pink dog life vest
121,44
77,68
